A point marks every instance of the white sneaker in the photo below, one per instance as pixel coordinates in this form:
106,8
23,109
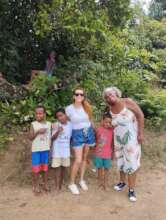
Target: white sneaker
83,185
74,189
94,170
132,196
133,199
120,186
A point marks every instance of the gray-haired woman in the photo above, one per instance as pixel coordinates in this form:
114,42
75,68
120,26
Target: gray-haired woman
128,120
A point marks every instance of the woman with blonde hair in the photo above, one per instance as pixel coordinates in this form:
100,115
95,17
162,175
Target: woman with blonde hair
83,137
128,120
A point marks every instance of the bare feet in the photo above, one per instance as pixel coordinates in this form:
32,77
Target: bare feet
101,186
106,188
58,191
46,189
36,190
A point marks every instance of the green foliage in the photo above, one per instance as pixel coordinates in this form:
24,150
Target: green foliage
44,91
132,84
154,107
118,11
72,28
97,46
156,32
157,9
5,135
16,18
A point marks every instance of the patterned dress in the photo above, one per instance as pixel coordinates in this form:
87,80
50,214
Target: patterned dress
127,149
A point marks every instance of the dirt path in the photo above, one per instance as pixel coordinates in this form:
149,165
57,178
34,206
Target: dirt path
18,202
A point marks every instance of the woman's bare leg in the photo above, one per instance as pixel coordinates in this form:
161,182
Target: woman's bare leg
84,162
76,164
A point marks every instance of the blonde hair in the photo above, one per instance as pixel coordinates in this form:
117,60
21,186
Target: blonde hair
86,105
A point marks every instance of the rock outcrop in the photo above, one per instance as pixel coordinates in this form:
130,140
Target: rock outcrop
9,91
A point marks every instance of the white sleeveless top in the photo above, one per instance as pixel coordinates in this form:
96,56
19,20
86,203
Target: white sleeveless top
41,142
78,117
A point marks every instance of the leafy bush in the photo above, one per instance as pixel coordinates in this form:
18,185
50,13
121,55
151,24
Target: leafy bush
44,91
5,135
154,107
131,83
95,50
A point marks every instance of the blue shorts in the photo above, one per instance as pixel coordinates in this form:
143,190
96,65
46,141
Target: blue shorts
83,136
105,163
40,161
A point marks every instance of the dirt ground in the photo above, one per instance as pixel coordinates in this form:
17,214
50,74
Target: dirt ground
17,201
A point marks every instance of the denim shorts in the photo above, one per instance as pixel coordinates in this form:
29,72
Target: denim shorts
83,136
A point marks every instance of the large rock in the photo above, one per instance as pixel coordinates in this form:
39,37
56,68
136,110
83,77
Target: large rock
9,91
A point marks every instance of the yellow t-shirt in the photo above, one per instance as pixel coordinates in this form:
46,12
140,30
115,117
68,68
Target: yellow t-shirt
41,142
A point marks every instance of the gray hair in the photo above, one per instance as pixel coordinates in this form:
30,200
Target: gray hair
114,90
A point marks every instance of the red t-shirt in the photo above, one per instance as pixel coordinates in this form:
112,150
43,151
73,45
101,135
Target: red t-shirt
103,147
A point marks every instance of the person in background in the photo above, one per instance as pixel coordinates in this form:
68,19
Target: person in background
40,134
50,63
61,134
128,120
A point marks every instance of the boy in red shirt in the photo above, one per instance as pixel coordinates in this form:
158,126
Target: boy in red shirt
103,151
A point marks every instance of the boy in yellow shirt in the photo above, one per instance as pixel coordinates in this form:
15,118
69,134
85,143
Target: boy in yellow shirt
40,134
